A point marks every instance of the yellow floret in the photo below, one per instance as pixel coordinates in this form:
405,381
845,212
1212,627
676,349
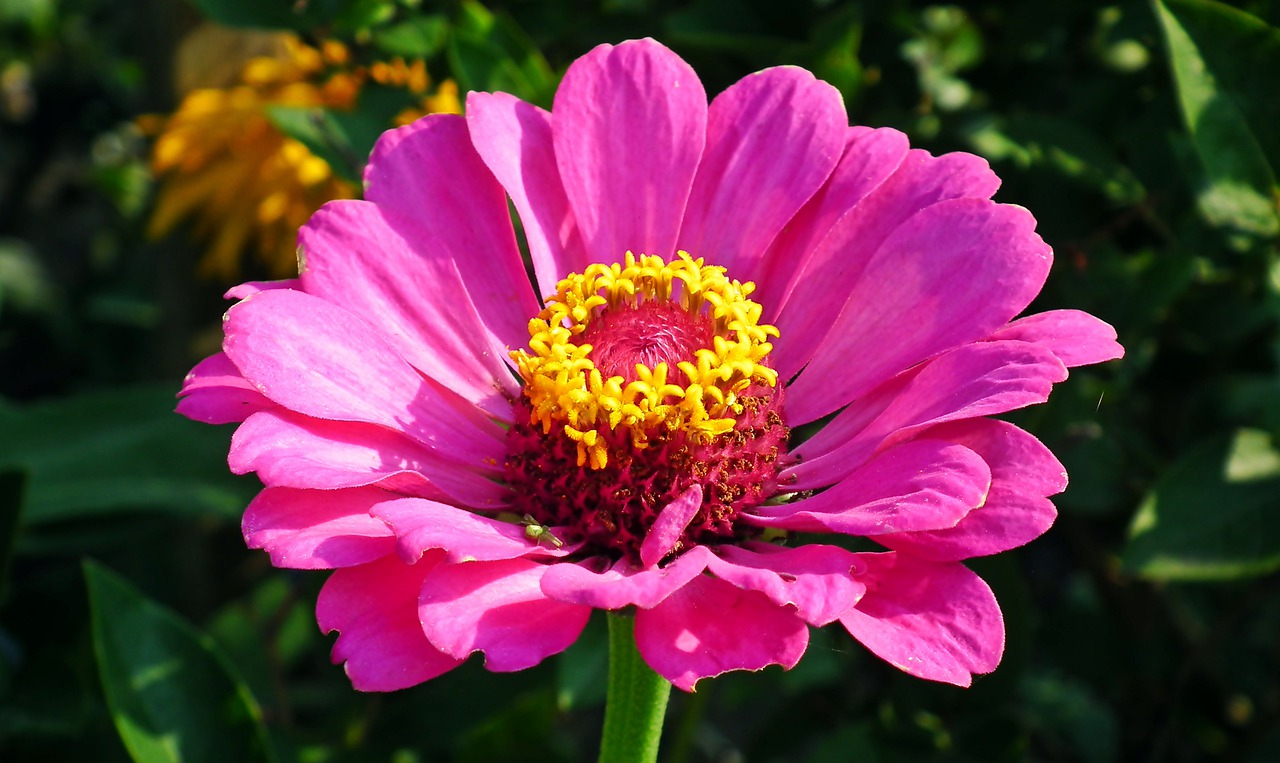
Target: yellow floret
564,386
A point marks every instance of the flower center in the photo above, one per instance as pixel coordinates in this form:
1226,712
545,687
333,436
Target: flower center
641,380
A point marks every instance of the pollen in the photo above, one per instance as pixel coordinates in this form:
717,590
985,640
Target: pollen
646,349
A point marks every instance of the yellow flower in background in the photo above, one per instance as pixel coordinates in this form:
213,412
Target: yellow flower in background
224,167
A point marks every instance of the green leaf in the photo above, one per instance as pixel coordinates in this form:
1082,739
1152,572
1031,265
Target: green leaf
173,696
374,114
344,139
416,37
119,450
356,17
490,52
323,134
270,629
274,14
1060,146
1221,60
1214,515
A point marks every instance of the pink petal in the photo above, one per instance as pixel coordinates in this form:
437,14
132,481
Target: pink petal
918,485
773,139
375,609
593,583
514,139
852,421
934,621
819,581
954,273
413,293
1023,472
1077,338
248,289
1007,520
214,392
465,537
497,608
840,260
669,526
976,380
629,124
320,360
710,627
317,529
1018,460
288,449
437,188
870,156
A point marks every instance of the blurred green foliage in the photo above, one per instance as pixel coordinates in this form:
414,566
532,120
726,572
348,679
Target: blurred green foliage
1145,626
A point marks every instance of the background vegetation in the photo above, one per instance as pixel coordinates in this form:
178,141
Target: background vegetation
1144,627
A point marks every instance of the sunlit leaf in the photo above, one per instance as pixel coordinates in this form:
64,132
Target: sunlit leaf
1214,515
1221,58
173,696
416,37
489,52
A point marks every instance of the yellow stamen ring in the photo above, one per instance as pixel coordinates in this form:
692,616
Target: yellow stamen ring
563,384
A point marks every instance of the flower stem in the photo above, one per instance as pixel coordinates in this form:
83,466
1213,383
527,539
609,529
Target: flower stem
636,701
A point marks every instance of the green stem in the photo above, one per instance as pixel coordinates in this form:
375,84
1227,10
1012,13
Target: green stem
636,702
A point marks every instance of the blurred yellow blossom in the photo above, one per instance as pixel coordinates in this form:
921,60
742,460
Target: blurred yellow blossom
224,167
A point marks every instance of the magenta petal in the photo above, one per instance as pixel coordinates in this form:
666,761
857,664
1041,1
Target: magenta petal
1016,511
840,260
288,449
919,485
1018,461
594,584
317,529
1077,338
710,627
497,608
669,526
249,288
934,621
216,393
869,157
819,581
514,139
320,360
375,609
976,380
952,274
413,292
629,124
773,138
1007,520
465,537
439,190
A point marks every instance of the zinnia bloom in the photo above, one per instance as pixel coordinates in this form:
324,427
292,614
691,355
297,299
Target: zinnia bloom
227,168
760,329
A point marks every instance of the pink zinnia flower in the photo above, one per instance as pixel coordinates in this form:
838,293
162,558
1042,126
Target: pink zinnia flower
482,467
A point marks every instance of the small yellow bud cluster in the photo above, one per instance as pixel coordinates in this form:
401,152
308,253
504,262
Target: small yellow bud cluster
564,385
